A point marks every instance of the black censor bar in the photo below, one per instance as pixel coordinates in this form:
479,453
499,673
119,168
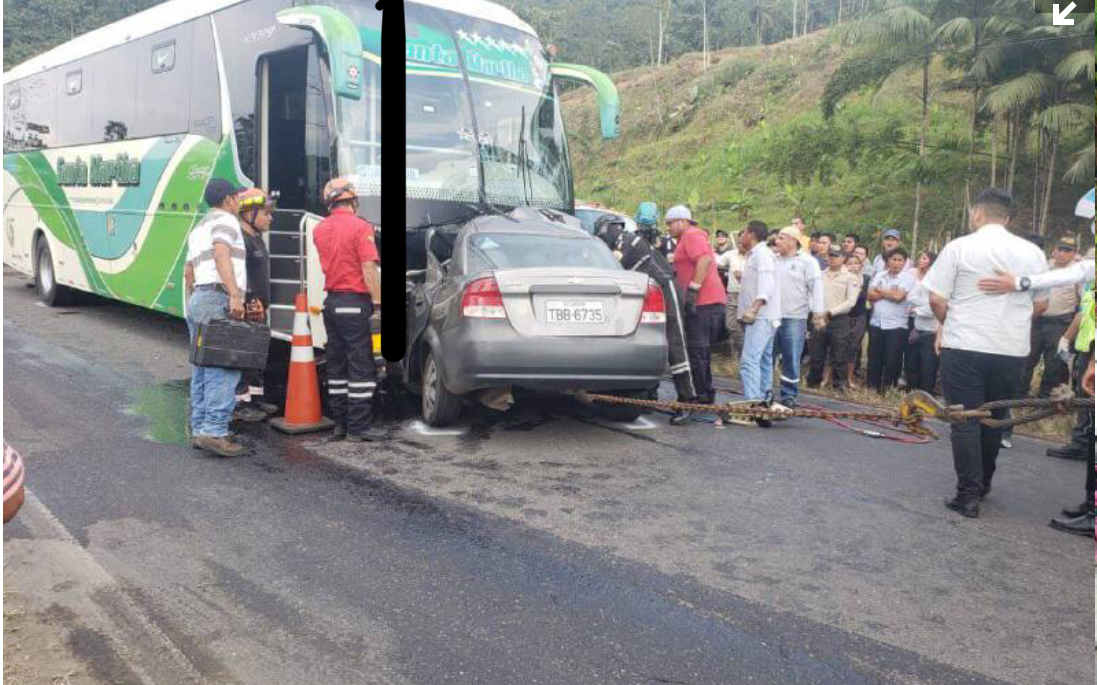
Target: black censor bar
1080,7
393,178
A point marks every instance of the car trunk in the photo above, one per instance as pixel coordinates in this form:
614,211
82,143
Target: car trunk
570,302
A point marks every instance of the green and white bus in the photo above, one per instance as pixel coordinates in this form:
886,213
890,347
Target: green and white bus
109,139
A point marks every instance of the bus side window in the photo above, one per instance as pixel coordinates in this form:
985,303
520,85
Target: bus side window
114,99
205,84
15,119
162,83
74,115
40,104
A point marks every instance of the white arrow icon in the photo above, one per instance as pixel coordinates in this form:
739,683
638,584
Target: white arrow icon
1060,18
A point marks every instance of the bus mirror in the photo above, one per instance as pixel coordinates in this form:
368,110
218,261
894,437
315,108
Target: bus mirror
343,42
609,103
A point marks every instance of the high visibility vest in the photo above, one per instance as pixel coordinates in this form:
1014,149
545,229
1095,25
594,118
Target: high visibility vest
1084,341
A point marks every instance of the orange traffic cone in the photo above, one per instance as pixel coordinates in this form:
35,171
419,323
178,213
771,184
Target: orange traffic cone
303,391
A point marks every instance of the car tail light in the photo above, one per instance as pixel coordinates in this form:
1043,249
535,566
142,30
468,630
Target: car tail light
483,300
655,309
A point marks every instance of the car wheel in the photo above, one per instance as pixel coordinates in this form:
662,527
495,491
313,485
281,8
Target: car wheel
440,406
45,278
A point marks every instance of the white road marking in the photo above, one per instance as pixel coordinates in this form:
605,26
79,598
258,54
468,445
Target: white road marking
40,304
423,429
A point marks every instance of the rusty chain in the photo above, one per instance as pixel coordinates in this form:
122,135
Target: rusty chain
913,422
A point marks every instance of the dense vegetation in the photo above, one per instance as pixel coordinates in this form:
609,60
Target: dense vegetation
34,26
894,118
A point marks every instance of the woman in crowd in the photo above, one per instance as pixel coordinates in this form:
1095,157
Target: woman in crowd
887,328
921,355
858,319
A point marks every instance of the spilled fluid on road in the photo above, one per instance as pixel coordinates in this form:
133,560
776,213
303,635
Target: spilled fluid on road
167,408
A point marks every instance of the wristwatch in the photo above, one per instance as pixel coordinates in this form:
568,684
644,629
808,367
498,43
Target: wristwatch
1024,283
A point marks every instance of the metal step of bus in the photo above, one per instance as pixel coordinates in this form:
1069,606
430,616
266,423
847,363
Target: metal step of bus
284,291
285,243
285,267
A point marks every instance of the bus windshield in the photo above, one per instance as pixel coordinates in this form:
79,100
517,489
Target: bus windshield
358,122
482,113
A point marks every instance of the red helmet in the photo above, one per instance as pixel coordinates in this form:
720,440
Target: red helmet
339,190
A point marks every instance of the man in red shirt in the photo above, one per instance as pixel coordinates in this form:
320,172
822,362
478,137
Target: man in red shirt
352,280
705,299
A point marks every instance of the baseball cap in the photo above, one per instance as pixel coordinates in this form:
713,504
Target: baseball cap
892,233
835,251
1067,243
679,212
791,232
218,189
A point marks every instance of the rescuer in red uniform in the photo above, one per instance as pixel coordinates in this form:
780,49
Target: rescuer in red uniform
352,281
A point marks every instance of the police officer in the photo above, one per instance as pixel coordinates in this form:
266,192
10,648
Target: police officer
255,219
352,279
636,254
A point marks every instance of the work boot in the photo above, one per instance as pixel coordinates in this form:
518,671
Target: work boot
339,433
195,444
1080,525
965,506
1070,452
267,408
1080,510
248,413
223,447
369,435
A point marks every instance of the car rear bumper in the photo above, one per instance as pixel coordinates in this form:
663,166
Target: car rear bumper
491,355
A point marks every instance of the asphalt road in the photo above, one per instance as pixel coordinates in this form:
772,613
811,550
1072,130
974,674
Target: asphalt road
545,546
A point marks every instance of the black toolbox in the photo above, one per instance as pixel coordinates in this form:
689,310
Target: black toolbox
231,344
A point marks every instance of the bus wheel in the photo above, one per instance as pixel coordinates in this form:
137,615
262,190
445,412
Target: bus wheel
45,278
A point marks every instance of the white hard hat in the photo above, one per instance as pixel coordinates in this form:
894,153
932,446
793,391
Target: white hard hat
679,212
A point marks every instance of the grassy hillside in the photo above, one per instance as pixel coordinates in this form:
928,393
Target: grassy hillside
748,140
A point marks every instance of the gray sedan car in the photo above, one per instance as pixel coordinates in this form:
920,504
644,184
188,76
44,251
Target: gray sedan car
530,304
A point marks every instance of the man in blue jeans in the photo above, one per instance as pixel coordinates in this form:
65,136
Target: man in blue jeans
759,313
801,285
215,280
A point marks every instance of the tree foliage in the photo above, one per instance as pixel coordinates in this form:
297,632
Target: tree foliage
33,26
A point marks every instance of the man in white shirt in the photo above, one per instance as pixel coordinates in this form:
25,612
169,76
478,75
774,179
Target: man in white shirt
922,360
801,285
731,262
759,312
215,280
887,326
891,240
984,338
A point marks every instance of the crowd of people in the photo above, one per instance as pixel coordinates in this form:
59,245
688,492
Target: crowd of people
971,324
823,295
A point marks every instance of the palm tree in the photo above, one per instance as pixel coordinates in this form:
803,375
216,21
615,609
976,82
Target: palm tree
906,32
1049,86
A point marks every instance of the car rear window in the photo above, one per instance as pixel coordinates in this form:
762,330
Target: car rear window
521,251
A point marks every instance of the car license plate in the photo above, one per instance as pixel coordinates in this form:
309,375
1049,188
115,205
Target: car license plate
572,311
